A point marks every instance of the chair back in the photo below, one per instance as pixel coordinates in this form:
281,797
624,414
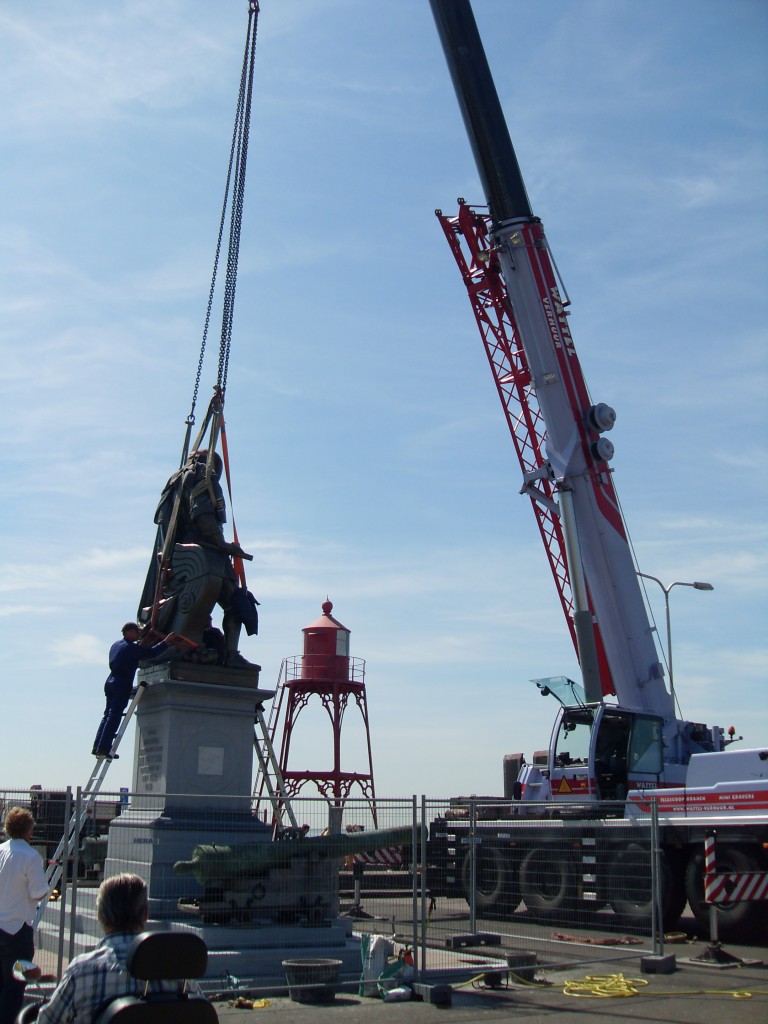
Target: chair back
163,956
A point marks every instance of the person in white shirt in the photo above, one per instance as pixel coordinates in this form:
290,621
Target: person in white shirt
22,886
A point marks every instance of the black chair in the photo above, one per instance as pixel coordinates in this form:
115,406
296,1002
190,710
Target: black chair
163,956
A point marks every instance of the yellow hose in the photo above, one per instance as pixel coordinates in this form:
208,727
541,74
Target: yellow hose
603,986
616,986
613,986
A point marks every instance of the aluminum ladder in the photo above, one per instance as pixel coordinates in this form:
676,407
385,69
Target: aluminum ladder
88,793
269,776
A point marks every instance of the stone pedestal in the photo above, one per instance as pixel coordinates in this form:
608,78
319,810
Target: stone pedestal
192,774
194,734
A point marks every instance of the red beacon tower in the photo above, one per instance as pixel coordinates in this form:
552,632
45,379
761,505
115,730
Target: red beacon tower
326,671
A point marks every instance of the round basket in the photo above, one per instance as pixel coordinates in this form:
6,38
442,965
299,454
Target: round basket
312,980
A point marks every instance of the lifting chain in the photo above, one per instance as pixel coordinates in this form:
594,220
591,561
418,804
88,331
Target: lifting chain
238,155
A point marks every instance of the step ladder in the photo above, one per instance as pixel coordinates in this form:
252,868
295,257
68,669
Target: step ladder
269,776
92,787
259,784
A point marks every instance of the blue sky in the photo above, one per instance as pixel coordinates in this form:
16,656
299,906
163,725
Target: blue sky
370,458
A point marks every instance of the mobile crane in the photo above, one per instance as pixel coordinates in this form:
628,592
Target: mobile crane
617,737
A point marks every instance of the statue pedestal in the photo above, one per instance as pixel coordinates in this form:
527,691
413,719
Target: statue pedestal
192,774
194,735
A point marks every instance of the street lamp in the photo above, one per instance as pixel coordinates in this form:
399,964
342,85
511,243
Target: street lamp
697,585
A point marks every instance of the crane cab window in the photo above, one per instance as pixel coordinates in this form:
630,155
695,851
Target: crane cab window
573,738
645,747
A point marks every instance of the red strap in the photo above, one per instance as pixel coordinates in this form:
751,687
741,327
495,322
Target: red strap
237,561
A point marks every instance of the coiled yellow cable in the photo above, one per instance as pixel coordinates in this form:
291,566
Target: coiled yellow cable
612,986
616,986
603,986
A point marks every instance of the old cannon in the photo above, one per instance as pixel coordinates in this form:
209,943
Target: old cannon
294,877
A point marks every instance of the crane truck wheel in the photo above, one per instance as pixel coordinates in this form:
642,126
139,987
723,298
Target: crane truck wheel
547,883
629,887
732,918
496,889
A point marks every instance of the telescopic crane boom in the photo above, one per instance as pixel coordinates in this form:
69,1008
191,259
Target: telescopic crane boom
601,569
559,432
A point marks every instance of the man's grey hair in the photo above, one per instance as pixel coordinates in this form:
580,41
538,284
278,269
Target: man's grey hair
121,905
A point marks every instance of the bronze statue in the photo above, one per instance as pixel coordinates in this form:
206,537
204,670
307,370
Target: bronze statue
191,570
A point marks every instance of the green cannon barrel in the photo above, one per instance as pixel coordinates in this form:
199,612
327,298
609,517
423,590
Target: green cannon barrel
212,863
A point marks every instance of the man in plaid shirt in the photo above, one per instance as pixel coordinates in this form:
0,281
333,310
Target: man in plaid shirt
94,979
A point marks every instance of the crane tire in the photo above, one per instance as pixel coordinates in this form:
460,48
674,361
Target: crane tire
547,883
629,887
732,918
496,890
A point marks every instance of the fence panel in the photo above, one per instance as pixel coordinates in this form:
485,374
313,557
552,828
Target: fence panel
506,888
221,869
463,886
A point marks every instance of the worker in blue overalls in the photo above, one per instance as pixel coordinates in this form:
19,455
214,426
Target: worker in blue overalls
124,658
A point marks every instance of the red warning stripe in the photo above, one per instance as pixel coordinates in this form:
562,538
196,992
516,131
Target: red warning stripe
741,887
392,856
731,887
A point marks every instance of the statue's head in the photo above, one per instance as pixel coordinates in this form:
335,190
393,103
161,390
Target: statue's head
199,458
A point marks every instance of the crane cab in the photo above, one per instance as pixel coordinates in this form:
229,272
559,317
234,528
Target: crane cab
600,752
597,751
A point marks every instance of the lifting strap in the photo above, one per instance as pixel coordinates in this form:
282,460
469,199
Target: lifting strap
213,423
237,561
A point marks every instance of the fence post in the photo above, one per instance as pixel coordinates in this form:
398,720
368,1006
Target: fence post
421,961
63,884
657,884
472,865
414,877
78,818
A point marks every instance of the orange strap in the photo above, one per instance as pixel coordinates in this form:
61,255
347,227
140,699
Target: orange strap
237,561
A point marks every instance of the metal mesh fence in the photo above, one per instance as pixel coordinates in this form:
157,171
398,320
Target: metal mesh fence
549,888
455,887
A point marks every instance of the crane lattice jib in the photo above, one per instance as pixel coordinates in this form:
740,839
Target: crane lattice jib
468,236
480,249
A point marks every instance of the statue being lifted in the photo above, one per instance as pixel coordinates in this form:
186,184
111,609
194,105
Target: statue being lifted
191,570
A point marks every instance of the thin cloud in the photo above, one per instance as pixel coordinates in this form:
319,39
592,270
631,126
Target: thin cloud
79,649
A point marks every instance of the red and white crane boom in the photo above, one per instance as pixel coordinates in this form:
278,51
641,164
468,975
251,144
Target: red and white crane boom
558,430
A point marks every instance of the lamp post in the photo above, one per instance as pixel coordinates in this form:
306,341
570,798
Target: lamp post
697,585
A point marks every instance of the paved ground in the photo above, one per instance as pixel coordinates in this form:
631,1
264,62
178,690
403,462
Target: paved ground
690,995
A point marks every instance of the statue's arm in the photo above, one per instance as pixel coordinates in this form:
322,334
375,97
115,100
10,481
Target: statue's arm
212,534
